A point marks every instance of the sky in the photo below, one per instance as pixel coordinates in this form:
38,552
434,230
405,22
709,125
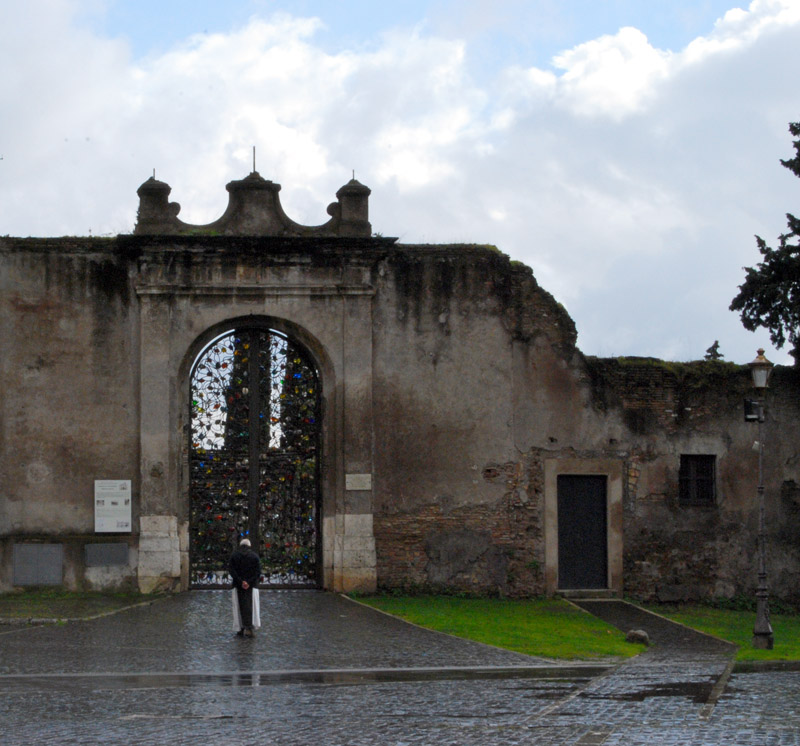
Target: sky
627,151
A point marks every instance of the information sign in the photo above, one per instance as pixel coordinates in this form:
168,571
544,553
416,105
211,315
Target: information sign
112,506
355,482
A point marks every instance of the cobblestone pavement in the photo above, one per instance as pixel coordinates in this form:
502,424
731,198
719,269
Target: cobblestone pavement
192,632
325,670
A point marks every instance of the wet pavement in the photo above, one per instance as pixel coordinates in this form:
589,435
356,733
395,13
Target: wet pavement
326,670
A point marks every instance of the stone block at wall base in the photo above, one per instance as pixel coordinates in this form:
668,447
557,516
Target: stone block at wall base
327,578
157,543
357,581
160,556
109,578
150,584
359,557
160,563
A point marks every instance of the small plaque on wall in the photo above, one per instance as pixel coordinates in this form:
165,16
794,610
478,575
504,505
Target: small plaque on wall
355,482
112,506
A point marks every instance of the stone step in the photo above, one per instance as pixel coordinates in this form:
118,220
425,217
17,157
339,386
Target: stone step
594,594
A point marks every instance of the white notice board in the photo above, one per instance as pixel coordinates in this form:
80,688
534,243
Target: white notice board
354,482
112,505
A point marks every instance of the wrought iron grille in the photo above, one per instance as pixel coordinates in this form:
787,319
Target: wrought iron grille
254,458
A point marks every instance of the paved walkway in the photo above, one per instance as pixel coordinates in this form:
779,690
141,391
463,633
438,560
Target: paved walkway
326,670
191,632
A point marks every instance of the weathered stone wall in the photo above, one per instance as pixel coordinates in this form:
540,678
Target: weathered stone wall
450,510
675,551
68,403
450,378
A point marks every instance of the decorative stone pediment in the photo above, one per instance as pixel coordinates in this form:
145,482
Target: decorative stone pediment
254,209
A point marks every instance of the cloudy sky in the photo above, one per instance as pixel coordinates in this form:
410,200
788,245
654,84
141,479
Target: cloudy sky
628,151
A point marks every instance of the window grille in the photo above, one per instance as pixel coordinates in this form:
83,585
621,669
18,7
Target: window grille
697,480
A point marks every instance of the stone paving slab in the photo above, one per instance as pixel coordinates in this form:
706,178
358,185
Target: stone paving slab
759,710
656,699
192,632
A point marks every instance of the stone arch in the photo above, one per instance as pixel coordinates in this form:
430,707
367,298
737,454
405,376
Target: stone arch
333,323
327,454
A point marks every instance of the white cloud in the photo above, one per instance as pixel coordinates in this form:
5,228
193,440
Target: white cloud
612,75
740,27
630,178
618,75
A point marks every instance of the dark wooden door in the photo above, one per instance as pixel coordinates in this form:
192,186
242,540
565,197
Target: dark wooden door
582,534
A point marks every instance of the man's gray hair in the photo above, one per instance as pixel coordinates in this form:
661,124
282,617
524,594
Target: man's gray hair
244,543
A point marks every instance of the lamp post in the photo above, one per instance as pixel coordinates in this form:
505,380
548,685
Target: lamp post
762,631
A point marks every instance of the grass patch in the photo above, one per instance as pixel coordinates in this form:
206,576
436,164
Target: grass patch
550,628
736,626
57,603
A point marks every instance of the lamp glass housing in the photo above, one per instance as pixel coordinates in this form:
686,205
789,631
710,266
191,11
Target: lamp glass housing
760,369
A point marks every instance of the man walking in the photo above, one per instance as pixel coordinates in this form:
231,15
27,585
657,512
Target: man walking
245,569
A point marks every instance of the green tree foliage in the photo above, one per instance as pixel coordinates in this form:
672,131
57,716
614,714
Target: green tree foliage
769,297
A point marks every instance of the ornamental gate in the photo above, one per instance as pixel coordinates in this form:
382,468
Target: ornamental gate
254,458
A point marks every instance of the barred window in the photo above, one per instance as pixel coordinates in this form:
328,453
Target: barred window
697,479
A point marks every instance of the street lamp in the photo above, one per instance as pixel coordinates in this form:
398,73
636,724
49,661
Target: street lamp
762,631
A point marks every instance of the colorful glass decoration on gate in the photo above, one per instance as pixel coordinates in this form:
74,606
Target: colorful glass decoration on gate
254,458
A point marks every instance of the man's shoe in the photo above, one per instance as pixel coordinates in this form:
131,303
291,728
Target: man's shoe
248,633
240,633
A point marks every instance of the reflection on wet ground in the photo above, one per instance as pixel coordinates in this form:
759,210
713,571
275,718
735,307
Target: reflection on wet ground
326,670
348,677
698,692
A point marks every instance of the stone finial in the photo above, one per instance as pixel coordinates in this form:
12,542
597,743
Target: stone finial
156,214
254,209
354,209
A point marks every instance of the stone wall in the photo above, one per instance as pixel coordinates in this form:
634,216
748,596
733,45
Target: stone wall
68,404
453,390
451,510
495,548
676,551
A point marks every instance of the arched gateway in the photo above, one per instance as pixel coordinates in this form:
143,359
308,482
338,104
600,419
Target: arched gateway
254,457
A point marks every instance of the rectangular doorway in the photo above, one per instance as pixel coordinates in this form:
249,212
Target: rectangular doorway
582,531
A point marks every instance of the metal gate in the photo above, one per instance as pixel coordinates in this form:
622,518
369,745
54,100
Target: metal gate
254,458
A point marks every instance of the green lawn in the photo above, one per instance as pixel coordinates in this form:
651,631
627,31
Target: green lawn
737,627
57,603
550,628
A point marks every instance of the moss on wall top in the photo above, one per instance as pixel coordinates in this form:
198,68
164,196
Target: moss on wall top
427,276
664,393
433,275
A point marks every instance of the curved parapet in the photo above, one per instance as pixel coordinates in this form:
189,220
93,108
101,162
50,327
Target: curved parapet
254,209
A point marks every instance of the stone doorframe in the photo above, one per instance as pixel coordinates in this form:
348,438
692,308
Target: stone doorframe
176,322
613,470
